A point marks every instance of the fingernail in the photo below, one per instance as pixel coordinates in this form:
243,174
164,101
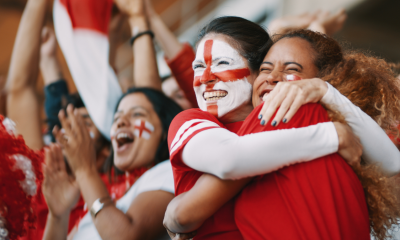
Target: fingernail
284,120
273,123
263,122
260,116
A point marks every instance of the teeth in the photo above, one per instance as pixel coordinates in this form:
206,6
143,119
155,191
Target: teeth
214,95
122,135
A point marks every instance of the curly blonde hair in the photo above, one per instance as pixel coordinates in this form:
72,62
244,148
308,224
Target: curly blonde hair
371,84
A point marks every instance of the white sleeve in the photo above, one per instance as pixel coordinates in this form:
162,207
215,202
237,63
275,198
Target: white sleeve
377,146
229,156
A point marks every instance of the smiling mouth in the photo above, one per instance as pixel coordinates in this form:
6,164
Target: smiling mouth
216,95
123,140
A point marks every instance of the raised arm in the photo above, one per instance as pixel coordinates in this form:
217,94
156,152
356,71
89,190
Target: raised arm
377,146
145,71
22,102
179,57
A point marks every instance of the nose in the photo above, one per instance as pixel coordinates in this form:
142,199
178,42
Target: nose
208,76
274,78
122,121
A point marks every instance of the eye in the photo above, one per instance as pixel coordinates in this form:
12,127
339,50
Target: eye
198,66
116,118
137,114
265,70
294,69
223,63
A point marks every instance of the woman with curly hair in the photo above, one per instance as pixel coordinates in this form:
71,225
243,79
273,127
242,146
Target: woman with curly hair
321,199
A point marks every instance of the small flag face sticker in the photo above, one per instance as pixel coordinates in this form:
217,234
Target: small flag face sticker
292,78
143,129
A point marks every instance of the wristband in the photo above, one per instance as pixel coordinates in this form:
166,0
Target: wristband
99,204
141,34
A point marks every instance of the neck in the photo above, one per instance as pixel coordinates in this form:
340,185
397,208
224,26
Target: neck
237,115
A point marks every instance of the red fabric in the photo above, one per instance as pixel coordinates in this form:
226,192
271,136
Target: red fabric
15,204
181,68
222,224
321,199
89,14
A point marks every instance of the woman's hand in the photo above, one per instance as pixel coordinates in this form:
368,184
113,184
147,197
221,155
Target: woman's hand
76,142
350,147
329,23
59,189
289,97
181,236
283,24
133,8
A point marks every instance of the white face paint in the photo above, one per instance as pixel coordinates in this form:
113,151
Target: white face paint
143,129
220,78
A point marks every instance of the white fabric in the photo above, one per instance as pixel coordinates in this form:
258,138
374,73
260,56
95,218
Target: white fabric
157,178
86,53
377,146
228,156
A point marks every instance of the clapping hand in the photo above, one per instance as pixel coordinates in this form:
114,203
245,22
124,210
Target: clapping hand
59,189
75,140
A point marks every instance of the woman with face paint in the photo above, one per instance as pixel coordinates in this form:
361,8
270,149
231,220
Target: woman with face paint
201,143
139,146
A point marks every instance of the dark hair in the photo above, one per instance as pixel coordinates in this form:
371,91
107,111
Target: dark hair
166,110
74,99
251,40
328,52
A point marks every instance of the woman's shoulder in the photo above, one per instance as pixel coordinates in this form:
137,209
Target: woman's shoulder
159,177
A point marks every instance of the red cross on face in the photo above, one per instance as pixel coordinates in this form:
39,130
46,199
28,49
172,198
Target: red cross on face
211,78
224,76
141,130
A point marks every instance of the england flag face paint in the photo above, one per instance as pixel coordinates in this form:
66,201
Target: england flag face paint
220,81
143,129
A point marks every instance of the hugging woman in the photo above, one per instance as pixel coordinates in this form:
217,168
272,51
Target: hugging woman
228,57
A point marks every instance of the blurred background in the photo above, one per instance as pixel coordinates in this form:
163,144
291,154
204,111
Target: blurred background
372,25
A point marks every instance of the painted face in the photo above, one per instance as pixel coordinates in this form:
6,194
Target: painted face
220,81
289,59
136,132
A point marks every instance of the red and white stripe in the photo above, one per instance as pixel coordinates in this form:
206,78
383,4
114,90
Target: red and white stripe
187,130
81,28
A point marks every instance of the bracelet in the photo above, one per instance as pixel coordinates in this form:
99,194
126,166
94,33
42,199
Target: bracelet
141,34
99,204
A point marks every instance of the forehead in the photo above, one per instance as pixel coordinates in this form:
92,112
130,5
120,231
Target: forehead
290,49
220,48
134,100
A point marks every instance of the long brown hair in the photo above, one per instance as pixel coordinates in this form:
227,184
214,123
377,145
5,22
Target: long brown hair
369,83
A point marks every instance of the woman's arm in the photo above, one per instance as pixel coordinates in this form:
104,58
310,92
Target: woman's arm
22,102
377,146
229,156
179,57
208,194
143,220
145,71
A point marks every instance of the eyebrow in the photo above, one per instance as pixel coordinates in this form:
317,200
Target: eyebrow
286,63
85,116
133,108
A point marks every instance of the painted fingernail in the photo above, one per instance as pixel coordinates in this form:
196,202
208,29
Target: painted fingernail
284,120
273,123
260,116
263,122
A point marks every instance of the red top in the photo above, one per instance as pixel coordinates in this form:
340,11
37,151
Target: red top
320,199
181,68
184,126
